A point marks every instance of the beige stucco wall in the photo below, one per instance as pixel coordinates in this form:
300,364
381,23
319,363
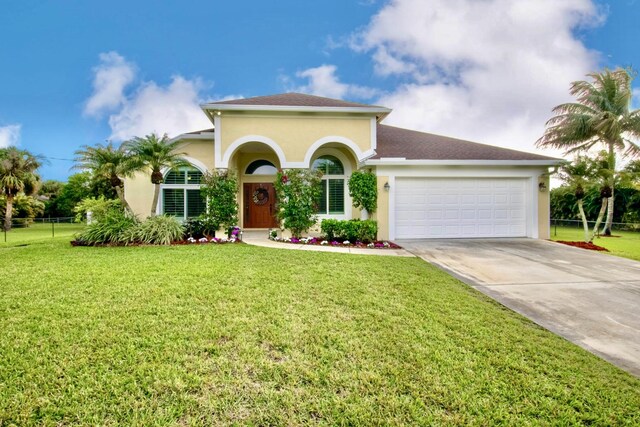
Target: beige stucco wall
544,209
294,134
138,190
382,212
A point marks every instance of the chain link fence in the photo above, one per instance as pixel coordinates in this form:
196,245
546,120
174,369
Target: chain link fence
576,223
29,229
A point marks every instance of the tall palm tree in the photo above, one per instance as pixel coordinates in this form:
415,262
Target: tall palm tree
17,175
601,115
155,153
110,162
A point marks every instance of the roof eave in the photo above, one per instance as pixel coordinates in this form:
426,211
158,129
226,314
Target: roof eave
453,162
380,111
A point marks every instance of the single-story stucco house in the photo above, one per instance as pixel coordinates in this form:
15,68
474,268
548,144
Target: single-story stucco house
429,186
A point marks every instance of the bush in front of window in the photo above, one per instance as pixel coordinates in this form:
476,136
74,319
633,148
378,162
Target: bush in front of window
363,189
297,192
220,188
353,230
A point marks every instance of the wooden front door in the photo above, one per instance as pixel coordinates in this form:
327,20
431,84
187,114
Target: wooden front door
259,205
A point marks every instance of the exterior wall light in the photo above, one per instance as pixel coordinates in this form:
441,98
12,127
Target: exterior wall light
542,187
387,186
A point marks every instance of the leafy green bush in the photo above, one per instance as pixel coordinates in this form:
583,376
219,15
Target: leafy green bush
363,189
353,230
159,230
220,188
115,227
297,192
199,227
98,206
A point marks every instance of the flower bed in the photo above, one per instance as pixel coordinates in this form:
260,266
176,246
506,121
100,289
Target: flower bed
583,245
204,240
317,241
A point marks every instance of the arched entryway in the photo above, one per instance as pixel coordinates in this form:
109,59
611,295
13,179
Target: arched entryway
257,165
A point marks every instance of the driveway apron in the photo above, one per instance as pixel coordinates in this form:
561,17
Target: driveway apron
589,298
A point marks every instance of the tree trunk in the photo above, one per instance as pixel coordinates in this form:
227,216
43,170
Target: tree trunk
8,213
603,208
607,226
156,196
612,166
120,194
585,224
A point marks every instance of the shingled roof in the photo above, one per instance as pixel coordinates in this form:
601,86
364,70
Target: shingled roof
293,99
396,142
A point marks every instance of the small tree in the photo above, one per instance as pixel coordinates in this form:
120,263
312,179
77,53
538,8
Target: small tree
220,188
153,153
363,189
17,176
298,191
577,175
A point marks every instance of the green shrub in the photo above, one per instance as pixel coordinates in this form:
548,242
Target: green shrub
115,227
363,189
159,230
220,188
200,227
353,230
297,192
98,206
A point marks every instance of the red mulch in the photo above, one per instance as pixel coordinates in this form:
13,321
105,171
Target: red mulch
583,245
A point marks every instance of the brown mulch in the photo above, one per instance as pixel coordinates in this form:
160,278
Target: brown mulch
583,245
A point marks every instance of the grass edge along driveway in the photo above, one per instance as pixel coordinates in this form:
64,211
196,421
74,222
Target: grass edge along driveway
217,335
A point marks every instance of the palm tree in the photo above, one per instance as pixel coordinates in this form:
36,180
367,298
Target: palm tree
17,175
154,154
601,116
577,175
109,162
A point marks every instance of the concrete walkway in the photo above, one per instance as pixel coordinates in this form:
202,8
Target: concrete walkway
259,238
589,298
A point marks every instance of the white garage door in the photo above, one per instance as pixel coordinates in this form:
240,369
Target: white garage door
460,207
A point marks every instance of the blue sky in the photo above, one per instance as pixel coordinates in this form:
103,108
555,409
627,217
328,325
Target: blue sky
79,72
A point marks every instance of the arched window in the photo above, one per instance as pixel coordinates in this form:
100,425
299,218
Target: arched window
332,199
261,167
181,193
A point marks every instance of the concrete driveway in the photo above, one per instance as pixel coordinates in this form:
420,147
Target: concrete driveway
589,298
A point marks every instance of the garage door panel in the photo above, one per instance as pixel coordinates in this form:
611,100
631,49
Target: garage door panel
460,207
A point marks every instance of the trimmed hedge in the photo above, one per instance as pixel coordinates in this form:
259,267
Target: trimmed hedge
353,230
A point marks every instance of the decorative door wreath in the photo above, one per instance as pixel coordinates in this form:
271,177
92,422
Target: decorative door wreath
260,196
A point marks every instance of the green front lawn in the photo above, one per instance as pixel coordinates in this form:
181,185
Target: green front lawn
235,334
39,231
624,243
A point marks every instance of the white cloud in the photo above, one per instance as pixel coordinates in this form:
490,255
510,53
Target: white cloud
9,135
322,81
173,110
111,78
489,71
148,107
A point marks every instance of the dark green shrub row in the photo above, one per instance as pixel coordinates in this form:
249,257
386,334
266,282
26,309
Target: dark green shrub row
353,230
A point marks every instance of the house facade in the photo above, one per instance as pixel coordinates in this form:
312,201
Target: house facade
429,186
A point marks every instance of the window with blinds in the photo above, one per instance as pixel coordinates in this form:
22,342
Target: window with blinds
181,199
173,201
183,175
331,201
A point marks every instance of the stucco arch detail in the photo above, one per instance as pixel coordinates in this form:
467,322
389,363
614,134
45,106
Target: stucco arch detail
353,147
226,158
